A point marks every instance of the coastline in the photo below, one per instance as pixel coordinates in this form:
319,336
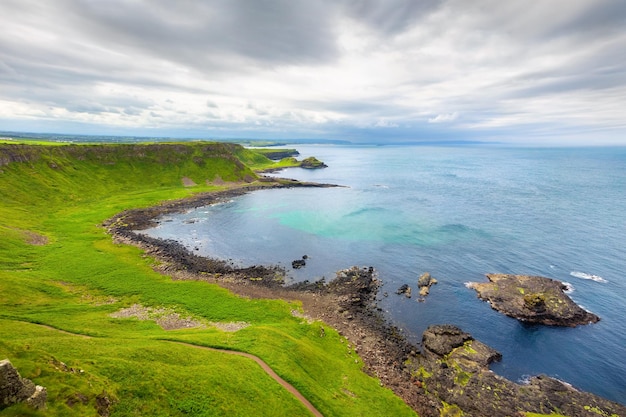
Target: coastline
348,305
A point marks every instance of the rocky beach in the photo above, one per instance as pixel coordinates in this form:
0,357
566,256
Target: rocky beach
448,374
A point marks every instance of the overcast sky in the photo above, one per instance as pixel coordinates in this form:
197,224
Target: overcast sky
522,71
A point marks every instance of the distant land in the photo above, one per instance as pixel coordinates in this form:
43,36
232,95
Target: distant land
78,138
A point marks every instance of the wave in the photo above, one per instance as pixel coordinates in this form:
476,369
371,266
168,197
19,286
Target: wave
592,277
569,288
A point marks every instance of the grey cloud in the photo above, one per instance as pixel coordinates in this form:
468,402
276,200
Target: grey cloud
57,53
390,16
601,16
205,34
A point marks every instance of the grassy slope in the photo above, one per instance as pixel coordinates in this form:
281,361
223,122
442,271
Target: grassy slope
75,281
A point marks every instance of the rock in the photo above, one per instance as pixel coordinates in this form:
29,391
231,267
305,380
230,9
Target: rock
532,299
103,404
298,263
439,340
454,368
15,389
312,163
404,289
424,282
279,154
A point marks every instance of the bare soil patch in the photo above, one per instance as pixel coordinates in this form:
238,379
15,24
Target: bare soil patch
188,182
167,318
170,319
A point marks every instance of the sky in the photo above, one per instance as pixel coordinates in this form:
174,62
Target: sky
518,71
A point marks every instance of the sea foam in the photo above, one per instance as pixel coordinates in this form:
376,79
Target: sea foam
592,277
569,288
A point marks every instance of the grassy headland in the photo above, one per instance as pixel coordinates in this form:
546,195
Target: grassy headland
62,276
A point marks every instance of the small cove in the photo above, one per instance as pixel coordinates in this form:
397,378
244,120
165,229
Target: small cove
457,213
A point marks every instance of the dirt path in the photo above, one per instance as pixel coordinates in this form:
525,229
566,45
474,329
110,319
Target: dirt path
56,329
267,369
258,360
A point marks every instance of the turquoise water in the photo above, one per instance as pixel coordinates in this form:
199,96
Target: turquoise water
458,213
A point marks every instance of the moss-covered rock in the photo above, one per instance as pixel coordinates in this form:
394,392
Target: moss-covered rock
454,368
312,163
532,299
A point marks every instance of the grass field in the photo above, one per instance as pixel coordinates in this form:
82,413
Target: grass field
61,278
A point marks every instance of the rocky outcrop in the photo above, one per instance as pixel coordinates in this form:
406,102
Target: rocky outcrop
424,282
14,389
312,163
454,367
279,154
532,299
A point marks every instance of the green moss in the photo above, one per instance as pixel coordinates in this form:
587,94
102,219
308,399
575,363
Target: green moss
467,346
534,300
598,411
449,410
423,374
462,378
312,162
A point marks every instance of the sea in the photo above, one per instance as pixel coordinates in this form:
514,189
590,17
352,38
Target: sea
457,212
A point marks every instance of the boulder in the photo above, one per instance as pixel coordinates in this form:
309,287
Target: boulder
15,389
404,289
440,340
298,263
424,282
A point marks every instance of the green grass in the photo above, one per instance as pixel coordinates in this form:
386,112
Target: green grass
56,299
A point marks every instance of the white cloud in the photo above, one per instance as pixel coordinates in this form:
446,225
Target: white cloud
318,68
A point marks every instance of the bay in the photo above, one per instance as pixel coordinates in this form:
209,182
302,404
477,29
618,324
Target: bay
458,213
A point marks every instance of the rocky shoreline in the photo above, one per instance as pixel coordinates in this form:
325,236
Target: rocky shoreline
448,376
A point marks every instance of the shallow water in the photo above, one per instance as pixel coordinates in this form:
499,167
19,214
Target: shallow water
458,213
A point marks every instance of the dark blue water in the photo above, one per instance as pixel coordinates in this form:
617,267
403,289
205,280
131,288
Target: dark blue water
458,213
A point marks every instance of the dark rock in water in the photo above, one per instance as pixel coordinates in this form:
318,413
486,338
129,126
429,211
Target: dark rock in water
532,299
15,389
298,263
404,289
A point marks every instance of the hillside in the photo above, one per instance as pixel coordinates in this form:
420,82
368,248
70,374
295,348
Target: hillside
85,317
